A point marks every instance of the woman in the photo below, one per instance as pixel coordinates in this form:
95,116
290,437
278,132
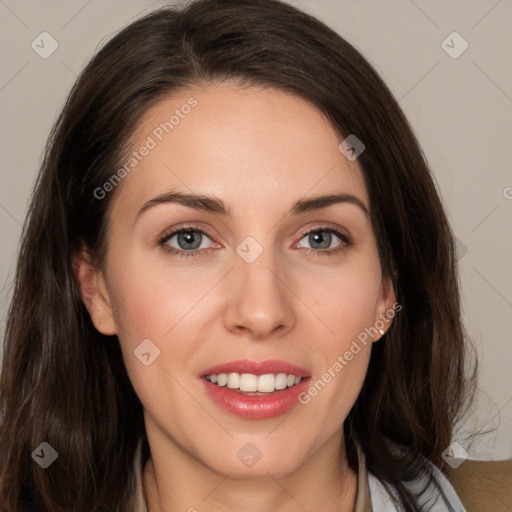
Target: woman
177,340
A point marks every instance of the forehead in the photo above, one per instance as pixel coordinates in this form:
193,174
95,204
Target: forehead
250,146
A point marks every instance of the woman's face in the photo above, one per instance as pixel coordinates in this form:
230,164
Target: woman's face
245,285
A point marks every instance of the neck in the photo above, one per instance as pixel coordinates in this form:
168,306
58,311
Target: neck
324,482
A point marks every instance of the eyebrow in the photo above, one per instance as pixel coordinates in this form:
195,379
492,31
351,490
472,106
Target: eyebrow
214,205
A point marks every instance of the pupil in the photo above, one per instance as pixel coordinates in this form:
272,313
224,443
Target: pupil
319,235
187,238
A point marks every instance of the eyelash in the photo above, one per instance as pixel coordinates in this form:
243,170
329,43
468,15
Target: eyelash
314,252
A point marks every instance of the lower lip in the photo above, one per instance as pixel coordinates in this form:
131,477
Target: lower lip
256,407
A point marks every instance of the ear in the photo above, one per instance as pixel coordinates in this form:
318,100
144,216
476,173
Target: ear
93,291
385,306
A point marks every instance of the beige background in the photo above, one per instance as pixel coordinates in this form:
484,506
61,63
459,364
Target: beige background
460,109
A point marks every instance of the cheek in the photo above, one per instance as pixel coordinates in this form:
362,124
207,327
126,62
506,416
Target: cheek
346,300
158,302
150,309
151,297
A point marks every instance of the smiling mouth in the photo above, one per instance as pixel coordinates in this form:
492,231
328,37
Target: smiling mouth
249,383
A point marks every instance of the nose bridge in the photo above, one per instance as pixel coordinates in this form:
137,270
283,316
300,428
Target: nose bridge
260,273
257,267
260,300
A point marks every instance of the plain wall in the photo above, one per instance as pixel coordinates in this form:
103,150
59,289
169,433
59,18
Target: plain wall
460,109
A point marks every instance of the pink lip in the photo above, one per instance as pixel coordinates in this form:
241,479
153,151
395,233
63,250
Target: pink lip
256,406
257,368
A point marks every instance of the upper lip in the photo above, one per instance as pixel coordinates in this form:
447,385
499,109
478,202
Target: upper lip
257,368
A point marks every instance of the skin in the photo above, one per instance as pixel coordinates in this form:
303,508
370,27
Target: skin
259,150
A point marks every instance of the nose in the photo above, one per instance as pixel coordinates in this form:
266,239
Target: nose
260,298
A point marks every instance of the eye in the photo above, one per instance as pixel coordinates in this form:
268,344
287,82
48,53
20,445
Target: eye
185,242
321,239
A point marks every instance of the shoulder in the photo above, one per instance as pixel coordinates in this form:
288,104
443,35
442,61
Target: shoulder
434,491
439,495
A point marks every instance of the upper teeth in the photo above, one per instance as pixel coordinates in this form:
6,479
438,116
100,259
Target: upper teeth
249,382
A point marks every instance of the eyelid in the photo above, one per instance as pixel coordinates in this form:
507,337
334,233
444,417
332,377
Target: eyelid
175,230
341,232
345,239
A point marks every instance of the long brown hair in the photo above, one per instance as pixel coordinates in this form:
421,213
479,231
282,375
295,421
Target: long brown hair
64,383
